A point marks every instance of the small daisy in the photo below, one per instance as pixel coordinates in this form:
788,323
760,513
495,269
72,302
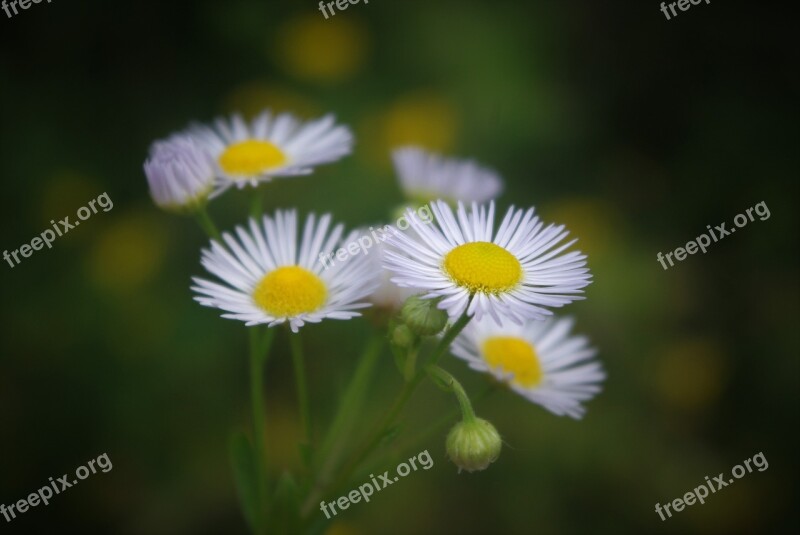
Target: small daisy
180,173
271,146
538,360
269,279
425,176
513,273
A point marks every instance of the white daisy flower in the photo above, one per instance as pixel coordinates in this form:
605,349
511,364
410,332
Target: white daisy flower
514,273
271,146
268,279
425,176
538,360
180,173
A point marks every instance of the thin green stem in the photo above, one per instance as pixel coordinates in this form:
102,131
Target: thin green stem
399,403
256,205
205,221
444,420
259,351
347,415
301,384
445,378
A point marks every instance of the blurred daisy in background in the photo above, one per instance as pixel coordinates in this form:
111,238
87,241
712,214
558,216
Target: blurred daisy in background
514,273
269,279
425,176
246,153
387,295
180,173
539,360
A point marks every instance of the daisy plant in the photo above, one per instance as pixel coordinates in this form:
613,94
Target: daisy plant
453,285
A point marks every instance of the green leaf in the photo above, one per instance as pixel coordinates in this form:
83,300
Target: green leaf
285,512
245,473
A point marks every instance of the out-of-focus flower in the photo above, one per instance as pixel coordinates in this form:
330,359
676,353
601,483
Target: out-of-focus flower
425,176
180,173
271,146
511,274
538,360
271,279
387,295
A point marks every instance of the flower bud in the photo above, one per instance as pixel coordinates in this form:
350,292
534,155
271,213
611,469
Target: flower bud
473,444
422,316
402,337
180,174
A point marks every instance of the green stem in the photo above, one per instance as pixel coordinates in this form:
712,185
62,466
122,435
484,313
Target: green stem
259,351
302,386
256,206
205,221
445,378
399,403
347,415
446,419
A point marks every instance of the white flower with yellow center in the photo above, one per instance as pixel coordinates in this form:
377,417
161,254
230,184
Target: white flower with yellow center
539,360
426,176
180,173
269,279
514,273
271,146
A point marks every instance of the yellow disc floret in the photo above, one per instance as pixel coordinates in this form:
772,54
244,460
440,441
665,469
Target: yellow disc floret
251,157
289,291
514,355
483,267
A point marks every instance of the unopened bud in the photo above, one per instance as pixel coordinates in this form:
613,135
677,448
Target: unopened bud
402,337
473,445
422,316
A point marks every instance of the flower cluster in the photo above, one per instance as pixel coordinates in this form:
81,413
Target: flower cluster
481,290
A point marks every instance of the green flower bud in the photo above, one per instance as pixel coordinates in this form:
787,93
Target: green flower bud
402,337
422,316
473,445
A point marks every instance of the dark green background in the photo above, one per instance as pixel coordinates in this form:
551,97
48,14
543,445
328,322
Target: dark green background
635,131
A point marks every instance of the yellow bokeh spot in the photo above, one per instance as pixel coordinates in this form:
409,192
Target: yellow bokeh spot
289,291
62,194
514,355
421,119
691,373
128,253
252,157
310,47
483,267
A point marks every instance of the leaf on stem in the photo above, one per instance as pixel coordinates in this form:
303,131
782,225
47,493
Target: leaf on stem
245,473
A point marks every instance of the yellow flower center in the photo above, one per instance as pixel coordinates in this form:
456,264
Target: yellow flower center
251,157
289,291
514,355
483,267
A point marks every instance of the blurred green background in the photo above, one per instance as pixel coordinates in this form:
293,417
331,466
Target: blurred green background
635,131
